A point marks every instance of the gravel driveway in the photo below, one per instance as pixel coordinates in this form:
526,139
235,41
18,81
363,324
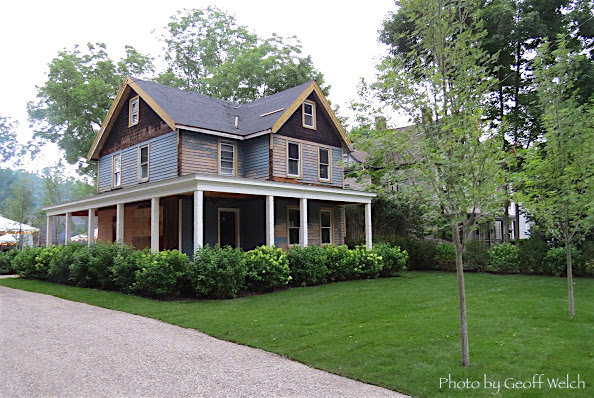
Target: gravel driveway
51,347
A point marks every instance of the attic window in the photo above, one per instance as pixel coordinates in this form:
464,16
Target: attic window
309,114
133,112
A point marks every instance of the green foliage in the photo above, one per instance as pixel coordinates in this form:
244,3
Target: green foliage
341,263
393,258
368,264
476,255
26,264
19,206
504,259
217,272
267,268
101,262
308,265
531,254
125,265
163,276
421,253
555,261
9,145
61,261
445,257
6,258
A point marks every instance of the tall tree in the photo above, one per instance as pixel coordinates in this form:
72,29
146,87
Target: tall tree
209,52
558,178
8,139
72,103
449,157
19,207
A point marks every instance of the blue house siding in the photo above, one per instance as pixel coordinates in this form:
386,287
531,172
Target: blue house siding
254,154
162,162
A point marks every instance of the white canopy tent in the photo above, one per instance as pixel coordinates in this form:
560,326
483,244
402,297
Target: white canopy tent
9,228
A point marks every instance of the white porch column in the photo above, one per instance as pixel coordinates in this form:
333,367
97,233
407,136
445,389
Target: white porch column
270,220
198,219
49,231
120,223
90,227
155,224
67,228
368,237
303,222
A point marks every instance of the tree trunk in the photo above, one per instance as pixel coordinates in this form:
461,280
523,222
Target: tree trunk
517,225
505,222
569,279
462,294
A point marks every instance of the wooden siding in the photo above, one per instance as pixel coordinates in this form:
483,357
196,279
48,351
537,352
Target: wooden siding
199,153
162,162
254,154
149,126
309,162
325,132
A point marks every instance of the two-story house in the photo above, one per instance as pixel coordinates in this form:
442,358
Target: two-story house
178,169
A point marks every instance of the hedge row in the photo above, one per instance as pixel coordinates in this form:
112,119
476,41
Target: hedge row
214,272
532,256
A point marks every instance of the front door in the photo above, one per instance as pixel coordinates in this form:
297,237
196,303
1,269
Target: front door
229,227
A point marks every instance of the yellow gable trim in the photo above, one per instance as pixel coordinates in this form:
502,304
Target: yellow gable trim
127,85
313,87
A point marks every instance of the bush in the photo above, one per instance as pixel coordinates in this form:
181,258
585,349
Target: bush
445,257
26,265
163,276
101,263
421,253
341,263
476,255
308,265
6,261
531,254
504,258
267,268
555,261
586,265
368,264
217,272
393,258
80,273
125,265
60,263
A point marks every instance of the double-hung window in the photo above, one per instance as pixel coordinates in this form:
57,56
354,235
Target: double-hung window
293,223
324,164
227,158
293,159
133,111
326,226
143,163
308,112
116,167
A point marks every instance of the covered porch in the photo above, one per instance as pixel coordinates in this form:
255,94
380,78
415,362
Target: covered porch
188,212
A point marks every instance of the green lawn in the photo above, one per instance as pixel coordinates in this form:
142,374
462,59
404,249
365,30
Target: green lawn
400,333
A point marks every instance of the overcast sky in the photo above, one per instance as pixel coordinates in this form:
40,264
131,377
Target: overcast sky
340,36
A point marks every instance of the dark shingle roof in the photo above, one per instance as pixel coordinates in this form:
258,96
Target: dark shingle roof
192,109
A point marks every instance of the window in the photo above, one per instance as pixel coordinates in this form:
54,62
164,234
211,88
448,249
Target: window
324,164
143,163
309,114
293,223
133,112
293,159
116,166
326,226
227,158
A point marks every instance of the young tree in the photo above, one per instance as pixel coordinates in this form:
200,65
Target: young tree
19,207
558,178
9,146
449,157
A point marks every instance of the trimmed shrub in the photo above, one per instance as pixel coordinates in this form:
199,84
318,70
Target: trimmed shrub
27,266
80,273
308,265
368,264
125,265
504,259
555,261
586,265
421,253
217,272
101,263
445,257
476,255
531,254
163,276
393,258
60,263
6,261
341,263
267,268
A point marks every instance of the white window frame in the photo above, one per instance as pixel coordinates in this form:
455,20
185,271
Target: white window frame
234,167
289,209
331,227
140,163
116,175
329,164
289,159
312,115
132,113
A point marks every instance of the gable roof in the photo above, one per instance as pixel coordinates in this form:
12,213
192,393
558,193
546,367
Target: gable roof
187,109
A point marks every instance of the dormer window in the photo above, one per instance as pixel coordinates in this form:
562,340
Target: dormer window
309,114
133,112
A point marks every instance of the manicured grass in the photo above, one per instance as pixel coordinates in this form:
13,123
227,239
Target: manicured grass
400,333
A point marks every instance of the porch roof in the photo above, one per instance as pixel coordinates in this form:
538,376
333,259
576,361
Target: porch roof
198,182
